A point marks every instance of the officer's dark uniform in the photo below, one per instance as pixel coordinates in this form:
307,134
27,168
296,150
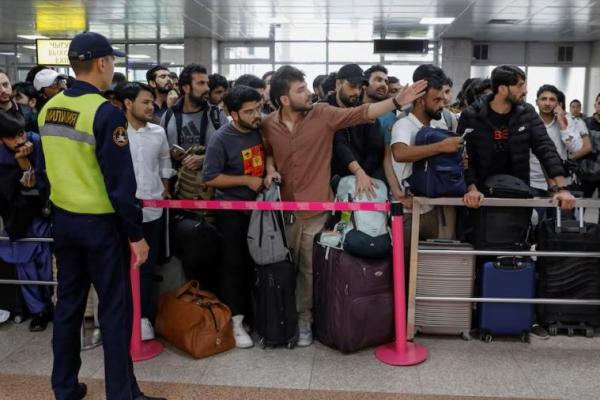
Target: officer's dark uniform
93,187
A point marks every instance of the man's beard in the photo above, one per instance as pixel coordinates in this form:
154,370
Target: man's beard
434,115
302,107
198,100
141,117
165,88
375,95
514,100
347,100
250,126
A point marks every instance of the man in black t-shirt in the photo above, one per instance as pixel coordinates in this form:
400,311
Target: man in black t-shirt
234,165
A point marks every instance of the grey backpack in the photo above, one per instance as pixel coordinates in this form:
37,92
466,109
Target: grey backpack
266,233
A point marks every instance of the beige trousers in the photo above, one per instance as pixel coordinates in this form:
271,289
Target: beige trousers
301,235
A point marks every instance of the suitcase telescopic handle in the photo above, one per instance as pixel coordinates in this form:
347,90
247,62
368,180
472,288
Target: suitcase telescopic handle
559,228
509,262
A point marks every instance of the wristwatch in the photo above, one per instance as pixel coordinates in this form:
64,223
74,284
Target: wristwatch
556,188
396,104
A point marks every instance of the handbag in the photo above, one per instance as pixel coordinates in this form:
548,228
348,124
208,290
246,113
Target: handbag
195,321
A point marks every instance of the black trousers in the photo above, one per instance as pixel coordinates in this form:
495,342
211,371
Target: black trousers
91,249
153,235
237,267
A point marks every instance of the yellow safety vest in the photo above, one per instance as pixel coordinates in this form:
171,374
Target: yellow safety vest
67,131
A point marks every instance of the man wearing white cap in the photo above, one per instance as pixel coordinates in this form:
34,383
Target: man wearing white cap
49,83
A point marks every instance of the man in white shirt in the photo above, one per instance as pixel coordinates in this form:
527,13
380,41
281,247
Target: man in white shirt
152,165
405,152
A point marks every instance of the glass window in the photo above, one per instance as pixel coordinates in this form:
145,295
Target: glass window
293,52
246,52
233,71
411,57
569,80
403,72
352,52
120,61
26,54
348,29
142,54
171,54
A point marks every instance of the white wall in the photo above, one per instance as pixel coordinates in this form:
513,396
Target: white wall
202,51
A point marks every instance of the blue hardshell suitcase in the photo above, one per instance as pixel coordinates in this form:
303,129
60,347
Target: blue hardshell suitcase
507,277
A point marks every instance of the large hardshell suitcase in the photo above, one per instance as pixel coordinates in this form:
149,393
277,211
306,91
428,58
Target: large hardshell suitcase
507,277
568,277
449,275
353,299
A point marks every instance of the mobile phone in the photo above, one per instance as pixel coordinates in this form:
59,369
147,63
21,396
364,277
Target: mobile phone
177,149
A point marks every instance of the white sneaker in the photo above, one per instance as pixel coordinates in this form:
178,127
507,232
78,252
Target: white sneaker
305,337
147,329
242,339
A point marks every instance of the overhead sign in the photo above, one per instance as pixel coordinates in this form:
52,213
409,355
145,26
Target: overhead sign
52,52
60,17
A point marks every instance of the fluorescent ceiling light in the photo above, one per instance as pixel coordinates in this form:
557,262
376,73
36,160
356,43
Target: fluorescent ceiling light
140,56
7,53
436,21
33,37
32,47
431,45
277,20
172,46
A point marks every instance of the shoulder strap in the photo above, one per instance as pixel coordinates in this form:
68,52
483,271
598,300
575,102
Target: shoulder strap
447,118
178,125
204,126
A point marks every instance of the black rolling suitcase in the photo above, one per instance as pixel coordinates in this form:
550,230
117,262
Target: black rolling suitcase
569,277
11,298
275,315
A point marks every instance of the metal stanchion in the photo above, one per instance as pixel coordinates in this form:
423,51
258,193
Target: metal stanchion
400,352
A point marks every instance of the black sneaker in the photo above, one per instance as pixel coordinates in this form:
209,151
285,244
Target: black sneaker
39,322
81,391
539,332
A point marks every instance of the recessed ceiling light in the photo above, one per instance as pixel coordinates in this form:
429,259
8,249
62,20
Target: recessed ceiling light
32,47
436,21
33,37
140,56
172,46
277,20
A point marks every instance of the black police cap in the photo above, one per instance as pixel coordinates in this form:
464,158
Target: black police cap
90,45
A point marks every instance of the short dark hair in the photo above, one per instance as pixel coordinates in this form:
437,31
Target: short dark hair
251,80
375,68
25,88
434,75
548,88
118,77
240,94
597,97
562,99
185,78
281,80
216,80
151,73
318,81
393,79
131,90
267,74
476,89
328,83
11,124
575,101
449,82
173,74
507,75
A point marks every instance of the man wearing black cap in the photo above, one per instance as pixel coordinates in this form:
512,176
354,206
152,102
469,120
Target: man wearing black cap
358,150
93,186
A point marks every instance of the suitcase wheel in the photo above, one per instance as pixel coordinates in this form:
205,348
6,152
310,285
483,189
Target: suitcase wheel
291,345
488,338
553,331
570,332
589,332
525,337
19,319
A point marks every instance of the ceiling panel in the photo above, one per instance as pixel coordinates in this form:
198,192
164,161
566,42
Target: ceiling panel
150,20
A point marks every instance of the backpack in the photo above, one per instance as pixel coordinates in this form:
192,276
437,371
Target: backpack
267,243
361,233
441,175
589,166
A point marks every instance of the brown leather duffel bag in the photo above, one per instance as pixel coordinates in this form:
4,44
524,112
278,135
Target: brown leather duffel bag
195,321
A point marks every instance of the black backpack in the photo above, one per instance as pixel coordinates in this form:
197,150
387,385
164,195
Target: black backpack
502,228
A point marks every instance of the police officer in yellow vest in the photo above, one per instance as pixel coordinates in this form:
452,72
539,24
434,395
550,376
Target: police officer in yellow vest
92,188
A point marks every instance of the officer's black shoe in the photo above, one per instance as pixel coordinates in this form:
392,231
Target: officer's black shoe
81,391
39,322
144,397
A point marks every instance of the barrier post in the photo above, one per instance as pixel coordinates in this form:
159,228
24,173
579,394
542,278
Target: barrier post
400,352
139,350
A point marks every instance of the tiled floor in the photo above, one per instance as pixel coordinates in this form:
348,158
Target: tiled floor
560,367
